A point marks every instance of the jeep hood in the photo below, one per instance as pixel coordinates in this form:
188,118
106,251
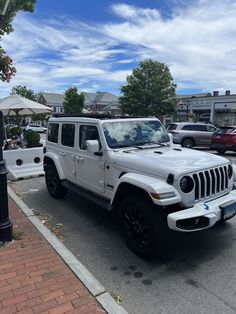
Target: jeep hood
161,161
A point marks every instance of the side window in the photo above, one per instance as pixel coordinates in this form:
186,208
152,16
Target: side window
68,135
200,128
187,127
211,128
53,132
87,132
197,127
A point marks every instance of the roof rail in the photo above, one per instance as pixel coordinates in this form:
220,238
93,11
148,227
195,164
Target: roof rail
84,115
92,115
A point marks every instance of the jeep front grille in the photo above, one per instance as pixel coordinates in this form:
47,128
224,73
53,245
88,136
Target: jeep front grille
210,182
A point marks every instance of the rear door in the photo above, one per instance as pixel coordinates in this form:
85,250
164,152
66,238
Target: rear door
67,147
199,133
204,134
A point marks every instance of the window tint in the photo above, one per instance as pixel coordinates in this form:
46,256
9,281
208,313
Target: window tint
194,127
87,132
225,130
187,127
210,128
200,127
53,132
68,135
171,127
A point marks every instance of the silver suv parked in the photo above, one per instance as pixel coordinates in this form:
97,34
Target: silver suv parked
190,134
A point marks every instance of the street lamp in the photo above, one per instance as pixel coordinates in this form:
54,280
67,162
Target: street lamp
4,10
187,109
6,233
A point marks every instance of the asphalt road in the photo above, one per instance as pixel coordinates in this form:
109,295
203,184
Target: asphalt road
197,275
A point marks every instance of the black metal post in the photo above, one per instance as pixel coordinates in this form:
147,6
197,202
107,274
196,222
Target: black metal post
6,233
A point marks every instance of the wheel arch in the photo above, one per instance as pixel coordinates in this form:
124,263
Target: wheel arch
126,189
53,159
188,137
149,187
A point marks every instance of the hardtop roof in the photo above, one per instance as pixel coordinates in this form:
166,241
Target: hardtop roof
93,118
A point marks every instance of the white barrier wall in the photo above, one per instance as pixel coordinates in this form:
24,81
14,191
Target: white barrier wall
23,163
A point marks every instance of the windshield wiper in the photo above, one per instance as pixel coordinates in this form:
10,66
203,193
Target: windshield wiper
151,143
126,145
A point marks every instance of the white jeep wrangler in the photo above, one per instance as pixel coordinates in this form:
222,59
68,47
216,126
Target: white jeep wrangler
131,165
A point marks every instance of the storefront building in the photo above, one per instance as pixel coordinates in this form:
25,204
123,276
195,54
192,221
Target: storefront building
218,109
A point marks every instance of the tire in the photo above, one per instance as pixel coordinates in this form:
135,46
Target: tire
187,142
221,151
145,227
53,182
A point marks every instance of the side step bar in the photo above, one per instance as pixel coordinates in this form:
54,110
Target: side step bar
88,195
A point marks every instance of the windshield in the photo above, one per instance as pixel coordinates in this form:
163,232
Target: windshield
223,130
134,133
171,127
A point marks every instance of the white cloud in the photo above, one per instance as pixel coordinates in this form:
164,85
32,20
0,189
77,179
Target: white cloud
134,13
197,41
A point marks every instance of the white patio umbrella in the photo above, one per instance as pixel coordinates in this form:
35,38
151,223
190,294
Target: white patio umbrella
16,105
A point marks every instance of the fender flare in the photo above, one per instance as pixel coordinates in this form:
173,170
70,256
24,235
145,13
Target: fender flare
56,160
151,186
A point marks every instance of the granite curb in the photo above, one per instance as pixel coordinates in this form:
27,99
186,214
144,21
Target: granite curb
90,282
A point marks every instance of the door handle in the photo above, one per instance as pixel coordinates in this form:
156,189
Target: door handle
62,153
79,158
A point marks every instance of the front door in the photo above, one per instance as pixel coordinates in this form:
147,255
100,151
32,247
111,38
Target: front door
90,171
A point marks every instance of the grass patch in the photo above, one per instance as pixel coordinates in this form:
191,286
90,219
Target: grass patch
17,235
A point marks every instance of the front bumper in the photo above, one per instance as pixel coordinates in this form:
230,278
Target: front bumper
176,140
201,216
223,146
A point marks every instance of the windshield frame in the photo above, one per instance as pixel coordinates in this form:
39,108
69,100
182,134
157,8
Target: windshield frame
134,133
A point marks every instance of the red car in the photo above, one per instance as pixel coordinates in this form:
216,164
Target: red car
223,139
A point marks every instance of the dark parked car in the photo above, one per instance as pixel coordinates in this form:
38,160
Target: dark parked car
190,134
223,139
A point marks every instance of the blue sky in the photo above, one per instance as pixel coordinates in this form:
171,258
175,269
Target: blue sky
95,44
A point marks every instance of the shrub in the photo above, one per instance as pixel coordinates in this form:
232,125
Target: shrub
15,131
8,133
32,139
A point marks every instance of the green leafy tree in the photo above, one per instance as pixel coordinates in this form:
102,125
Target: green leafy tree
29,94
150,90
74,102
25,92
7,71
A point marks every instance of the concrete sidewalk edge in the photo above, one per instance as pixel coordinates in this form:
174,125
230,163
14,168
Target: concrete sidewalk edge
84,275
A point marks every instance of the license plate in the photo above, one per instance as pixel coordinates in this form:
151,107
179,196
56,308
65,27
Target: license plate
228,210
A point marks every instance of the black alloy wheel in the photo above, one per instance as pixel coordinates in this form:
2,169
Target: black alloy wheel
187,143
53,182
145,229
221,151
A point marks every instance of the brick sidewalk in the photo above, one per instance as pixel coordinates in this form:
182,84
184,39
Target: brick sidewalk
33,277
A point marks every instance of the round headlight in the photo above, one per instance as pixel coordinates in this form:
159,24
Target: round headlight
230,171
186,184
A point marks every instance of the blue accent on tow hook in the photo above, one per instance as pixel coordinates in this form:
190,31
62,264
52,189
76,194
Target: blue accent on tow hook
206,207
